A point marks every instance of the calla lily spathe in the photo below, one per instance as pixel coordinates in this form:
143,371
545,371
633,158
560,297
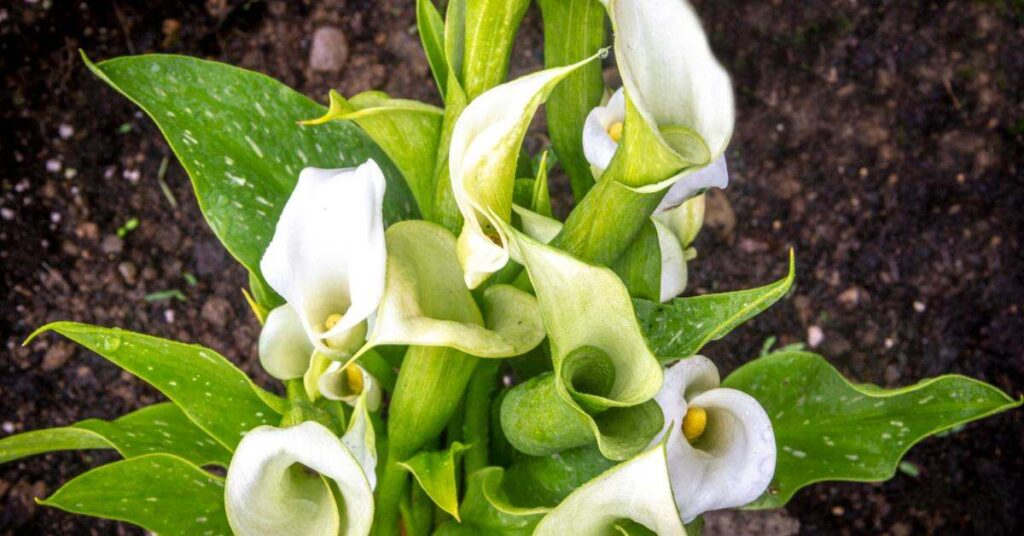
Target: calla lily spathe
277,480
673,82
327,256
484,147
599,147
729,458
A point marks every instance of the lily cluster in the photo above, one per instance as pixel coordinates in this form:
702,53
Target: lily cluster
688,445
456,359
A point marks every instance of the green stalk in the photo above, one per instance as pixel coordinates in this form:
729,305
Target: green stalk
573,30
476,425
430,385
608,219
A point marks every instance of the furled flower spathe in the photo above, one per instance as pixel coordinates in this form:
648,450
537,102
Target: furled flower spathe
277,480
327,258
720,445
602,132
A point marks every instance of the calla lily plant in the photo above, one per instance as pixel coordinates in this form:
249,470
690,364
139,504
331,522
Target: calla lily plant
446,348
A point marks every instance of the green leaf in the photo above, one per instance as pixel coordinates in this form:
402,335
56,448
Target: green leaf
540,201
490,31
49,440
573,30
431,29
158,492
214,394
235,133
436,472
160,428
681,327
827,428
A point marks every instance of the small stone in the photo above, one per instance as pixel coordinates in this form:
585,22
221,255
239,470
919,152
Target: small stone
919,306
7,214
892,374
850,296
112,245
53,165
329,51
815,336
8,427
129,272
66,131
216,311
57,355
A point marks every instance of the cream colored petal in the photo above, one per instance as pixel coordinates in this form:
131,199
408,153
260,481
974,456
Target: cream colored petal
637,490
598,145
269,490
684,187
673,263
284,347
361,440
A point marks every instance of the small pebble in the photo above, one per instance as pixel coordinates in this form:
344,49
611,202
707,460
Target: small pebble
112,245
66,131
329,51
53,165
815,336
8,427
129,272
919,306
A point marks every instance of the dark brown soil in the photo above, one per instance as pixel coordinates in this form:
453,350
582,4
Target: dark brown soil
881,139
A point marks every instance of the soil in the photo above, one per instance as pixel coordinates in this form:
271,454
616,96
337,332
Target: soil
880,139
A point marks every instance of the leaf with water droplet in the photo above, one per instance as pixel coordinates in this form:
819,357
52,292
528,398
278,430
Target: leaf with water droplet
827,428
243,164
211,392
158,492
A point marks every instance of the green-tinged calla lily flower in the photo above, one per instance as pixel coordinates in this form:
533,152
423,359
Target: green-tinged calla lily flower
677,111
426,302
637,492
277,482
327,260
484,147
720,443
604,375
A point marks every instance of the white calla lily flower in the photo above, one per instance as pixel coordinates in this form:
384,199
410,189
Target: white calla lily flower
327,256
720,445
602,132
276,483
